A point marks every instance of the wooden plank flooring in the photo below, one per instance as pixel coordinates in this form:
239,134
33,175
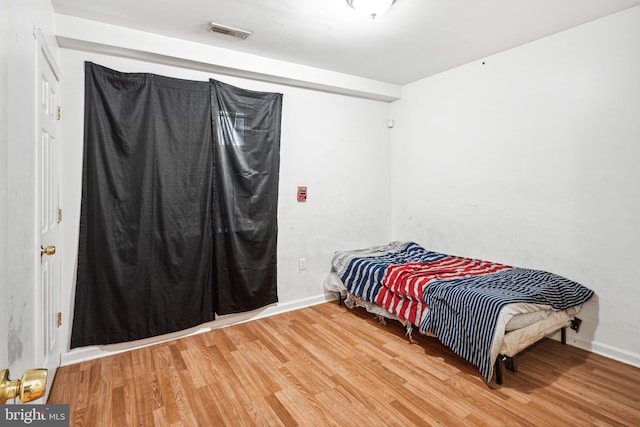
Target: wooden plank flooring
330,366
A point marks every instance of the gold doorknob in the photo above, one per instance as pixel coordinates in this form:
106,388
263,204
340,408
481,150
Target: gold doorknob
31,386
49,250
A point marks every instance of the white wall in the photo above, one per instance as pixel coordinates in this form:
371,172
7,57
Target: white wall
336,145
530,157
19,238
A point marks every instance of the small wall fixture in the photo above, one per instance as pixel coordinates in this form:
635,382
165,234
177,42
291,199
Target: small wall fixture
371,8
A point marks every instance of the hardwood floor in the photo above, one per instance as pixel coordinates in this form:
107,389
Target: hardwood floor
328,365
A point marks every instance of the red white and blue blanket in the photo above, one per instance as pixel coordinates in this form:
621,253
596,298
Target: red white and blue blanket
457,299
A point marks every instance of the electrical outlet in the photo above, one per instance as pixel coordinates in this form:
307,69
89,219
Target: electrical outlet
302,263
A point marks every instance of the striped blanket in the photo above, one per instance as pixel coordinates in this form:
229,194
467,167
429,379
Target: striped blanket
457,299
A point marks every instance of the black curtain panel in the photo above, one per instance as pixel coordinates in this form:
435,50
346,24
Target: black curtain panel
145,259
246,131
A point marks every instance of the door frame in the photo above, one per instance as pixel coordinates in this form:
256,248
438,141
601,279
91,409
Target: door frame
4,143
45,54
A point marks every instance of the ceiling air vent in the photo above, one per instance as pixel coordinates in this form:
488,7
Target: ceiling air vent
229,31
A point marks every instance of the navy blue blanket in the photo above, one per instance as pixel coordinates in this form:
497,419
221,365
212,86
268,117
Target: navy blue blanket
464,311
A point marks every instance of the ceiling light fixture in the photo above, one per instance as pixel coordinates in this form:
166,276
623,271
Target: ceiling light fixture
371,8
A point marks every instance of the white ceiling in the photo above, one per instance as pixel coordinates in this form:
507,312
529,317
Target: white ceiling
415,39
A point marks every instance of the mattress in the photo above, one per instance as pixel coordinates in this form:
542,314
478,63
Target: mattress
519,339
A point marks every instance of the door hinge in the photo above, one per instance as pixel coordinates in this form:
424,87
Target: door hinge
59,321
59,113
59,215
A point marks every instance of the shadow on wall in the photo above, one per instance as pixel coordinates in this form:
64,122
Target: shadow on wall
590,315
14,342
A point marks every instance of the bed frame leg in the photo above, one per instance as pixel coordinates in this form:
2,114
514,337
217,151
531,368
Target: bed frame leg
575,325
509,363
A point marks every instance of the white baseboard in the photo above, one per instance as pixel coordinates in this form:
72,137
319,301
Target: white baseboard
94,352
605,350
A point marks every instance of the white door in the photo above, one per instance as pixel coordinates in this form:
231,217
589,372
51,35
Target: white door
48,213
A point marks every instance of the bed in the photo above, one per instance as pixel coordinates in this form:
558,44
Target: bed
483,311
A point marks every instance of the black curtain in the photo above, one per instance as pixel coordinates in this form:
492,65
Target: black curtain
179,204
145,248
247,163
